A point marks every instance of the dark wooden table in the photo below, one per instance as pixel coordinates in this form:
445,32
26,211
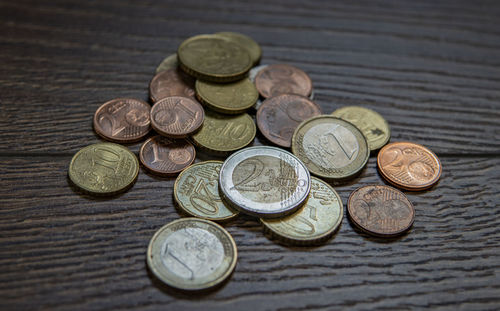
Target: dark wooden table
431,69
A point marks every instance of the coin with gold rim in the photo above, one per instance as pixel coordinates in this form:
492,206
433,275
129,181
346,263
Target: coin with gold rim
192,254
229,98
222,134
371,123
213,58
104,169
315,222
196,192
248,43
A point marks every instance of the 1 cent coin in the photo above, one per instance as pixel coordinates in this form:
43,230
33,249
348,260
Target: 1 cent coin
166,157
177,116
409,166
196,192
192,254
171,82
282,79
330,147
264,181
380,210
104,169
279,116
314,222
122,120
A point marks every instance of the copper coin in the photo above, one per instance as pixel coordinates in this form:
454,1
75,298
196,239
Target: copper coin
409,166
171,82
177,116
380,210
283,79
166,157
279,116
122,120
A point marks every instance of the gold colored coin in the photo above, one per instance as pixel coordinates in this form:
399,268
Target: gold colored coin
248,43
170,62
223,134
315,222
104,169
229,98
371,123
192,254
213,58
196,192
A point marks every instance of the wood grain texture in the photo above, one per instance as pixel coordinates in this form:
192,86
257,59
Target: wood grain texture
431,69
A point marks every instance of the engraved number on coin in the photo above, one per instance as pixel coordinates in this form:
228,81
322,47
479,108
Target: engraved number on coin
349,152
205,197
106,158
256,170
165,255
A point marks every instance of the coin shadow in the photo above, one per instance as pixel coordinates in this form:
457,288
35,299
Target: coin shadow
95,197
185,294
380,240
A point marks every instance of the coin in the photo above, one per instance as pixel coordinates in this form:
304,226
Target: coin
176,116
264,181
223,134
314,222
166,157
229,98
254,71
196,192
122,120
168,63
380,210
252,47
192,254
259,102
214,58
330,147
371,123
282,79
409,166
171,82
104,169
279,116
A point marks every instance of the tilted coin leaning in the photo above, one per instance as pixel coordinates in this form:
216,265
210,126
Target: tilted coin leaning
264,181
192,254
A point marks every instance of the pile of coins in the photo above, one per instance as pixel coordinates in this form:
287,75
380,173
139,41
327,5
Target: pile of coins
202,97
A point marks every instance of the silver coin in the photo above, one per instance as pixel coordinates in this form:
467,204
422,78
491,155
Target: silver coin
264,181
192,254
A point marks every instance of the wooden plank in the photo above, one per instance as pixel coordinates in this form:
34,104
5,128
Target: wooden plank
64,250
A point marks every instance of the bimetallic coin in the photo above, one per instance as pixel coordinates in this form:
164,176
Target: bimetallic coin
104,169
122,120
171,82
315,222
192,254
166,157
214,58
264,181
409,166
196,192
279,116
252,47
282,79
177,116
222,134
330,147
229,98
170,62
371,123
380,210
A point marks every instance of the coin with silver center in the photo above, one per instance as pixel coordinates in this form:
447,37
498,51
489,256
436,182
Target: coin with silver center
262,181
192,254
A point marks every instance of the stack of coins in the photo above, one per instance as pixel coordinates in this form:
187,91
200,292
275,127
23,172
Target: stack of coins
203,98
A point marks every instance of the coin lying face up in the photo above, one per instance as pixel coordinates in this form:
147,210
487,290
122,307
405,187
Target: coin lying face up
264,181
177,116
279,79
314,222
380,210
192,254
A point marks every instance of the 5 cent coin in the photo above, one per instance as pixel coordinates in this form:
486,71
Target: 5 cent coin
166,157
264,181
280,79
192,254
177,116
380,210
409,166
